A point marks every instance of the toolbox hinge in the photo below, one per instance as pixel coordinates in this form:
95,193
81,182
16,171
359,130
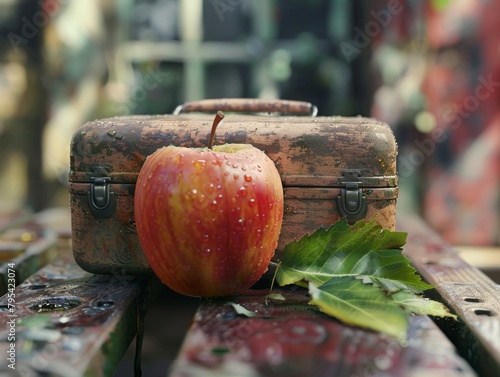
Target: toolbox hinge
101,200
351,202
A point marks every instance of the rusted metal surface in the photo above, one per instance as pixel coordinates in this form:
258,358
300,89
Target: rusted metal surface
248,105
467,291
69,322
290,338
315,157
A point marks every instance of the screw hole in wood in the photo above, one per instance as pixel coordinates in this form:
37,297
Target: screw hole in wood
55,304
36,286
472,299
484,312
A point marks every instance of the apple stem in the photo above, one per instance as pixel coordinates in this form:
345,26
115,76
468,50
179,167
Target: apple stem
218,117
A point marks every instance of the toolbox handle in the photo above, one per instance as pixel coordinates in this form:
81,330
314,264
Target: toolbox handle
248,105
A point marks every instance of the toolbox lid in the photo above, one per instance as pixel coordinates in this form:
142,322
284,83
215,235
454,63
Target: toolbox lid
308,151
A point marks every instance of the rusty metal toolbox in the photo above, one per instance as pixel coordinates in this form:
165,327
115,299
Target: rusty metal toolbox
331,167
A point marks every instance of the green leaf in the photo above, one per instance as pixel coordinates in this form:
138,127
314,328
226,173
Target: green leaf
363,250
275,296
417,304
241,310
356,303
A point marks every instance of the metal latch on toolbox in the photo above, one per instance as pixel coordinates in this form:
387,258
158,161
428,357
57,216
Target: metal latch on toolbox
101,200
351,202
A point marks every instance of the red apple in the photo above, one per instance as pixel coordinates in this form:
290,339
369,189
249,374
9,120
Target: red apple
209,219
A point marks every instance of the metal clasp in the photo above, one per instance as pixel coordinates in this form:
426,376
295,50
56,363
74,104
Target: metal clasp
351,202
101,200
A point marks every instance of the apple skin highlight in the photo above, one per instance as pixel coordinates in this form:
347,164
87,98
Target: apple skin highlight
209,219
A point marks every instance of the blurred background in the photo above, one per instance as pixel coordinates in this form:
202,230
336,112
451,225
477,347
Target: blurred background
430,69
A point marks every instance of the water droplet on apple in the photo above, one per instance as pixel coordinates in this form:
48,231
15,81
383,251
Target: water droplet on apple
199,165
213,205
200,202
271,205
251,202
240,225
242,191
207,251
244,167
248,178
209,188
150,175
259,168
191,195
205,238
236,176
234,165
187,268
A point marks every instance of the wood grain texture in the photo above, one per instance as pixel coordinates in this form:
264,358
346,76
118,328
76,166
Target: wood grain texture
467,291
27,244
290,338
70,323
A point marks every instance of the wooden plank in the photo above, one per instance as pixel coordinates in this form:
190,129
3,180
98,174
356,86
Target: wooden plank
467,291
290,338
27,245
68,322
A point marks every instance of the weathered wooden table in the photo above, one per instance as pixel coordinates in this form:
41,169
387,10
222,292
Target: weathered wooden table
58,320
